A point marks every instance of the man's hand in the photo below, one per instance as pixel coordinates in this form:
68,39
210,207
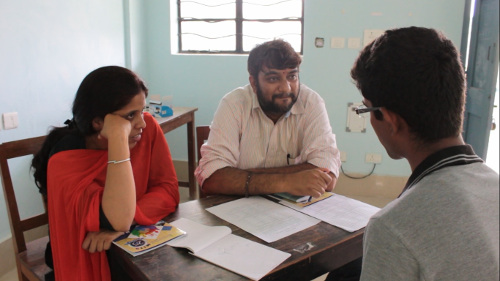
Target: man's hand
313,182
332,184
100,240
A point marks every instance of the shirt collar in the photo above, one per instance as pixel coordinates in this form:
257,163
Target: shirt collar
255,100
298,107
450,156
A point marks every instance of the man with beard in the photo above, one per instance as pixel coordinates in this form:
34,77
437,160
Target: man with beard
272,135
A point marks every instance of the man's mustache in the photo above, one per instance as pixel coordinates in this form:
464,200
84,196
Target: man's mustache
283,95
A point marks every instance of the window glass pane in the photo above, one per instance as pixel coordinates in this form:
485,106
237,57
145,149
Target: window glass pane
208,9
259,32
263,20
207,36
272,9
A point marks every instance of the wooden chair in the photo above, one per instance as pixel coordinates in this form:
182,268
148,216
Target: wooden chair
30,257
202,133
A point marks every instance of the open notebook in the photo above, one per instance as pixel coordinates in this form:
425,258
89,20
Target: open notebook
217,245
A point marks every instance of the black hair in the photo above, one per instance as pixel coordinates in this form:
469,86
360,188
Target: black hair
417,73
277,54
102,91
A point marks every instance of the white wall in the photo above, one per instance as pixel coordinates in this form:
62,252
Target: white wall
46,49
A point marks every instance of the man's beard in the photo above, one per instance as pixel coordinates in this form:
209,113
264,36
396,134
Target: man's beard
272,106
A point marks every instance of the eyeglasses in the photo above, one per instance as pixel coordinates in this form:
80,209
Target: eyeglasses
362,110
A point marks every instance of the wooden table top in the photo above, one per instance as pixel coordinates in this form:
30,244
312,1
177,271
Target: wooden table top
314,251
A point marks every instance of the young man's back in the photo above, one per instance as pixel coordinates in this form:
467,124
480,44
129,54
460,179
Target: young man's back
444,226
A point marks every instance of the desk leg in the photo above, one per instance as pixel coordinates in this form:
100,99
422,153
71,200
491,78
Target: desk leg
191,159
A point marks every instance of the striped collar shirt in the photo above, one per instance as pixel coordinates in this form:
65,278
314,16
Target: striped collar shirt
451,156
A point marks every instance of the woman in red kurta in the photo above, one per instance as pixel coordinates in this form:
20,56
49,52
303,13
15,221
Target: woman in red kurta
108,169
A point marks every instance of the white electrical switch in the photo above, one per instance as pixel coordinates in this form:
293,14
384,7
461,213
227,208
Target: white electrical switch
343,156
355,123
10,120
337,42
354,43
373,158
371,34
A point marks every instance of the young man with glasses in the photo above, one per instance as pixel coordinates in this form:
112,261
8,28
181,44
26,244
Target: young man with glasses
445,223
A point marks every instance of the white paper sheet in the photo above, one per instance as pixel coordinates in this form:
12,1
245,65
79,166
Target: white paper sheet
344,212
199,235
263,218
243,256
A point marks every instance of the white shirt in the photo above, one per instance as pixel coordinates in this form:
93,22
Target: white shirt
242,136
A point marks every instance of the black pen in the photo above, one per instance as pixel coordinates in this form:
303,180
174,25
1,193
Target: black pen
310,198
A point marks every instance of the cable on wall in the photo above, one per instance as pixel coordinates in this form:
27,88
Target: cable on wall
361,177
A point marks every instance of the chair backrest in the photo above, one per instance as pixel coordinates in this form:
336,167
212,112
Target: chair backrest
18,226
202,133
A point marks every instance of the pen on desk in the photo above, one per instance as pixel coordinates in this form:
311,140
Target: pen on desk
310,198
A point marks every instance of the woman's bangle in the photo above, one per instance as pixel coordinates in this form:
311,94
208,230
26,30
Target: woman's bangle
119,161
247,183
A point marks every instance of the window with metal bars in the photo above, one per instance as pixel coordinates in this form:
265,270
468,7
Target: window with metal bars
235,27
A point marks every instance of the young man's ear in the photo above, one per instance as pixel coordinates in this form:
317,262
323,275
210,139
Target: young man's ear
97,124
393,120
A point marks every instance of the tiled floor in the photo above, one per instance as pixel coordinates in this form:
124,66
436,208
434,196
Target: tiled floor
10,276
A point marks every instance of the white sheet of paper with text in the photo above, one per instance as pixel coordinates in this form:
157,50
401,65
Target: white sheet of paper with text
263,218
344,212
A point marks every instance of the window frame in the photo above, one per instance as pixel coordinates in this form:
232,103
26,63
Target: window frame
239,29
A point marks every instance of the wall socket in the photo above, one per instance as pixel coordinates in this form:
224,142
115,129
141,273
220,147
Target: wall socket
373,158
10,120
343,156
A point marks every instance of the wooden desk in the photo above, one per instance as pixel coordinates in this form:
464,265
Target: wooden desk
332,248
184,115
